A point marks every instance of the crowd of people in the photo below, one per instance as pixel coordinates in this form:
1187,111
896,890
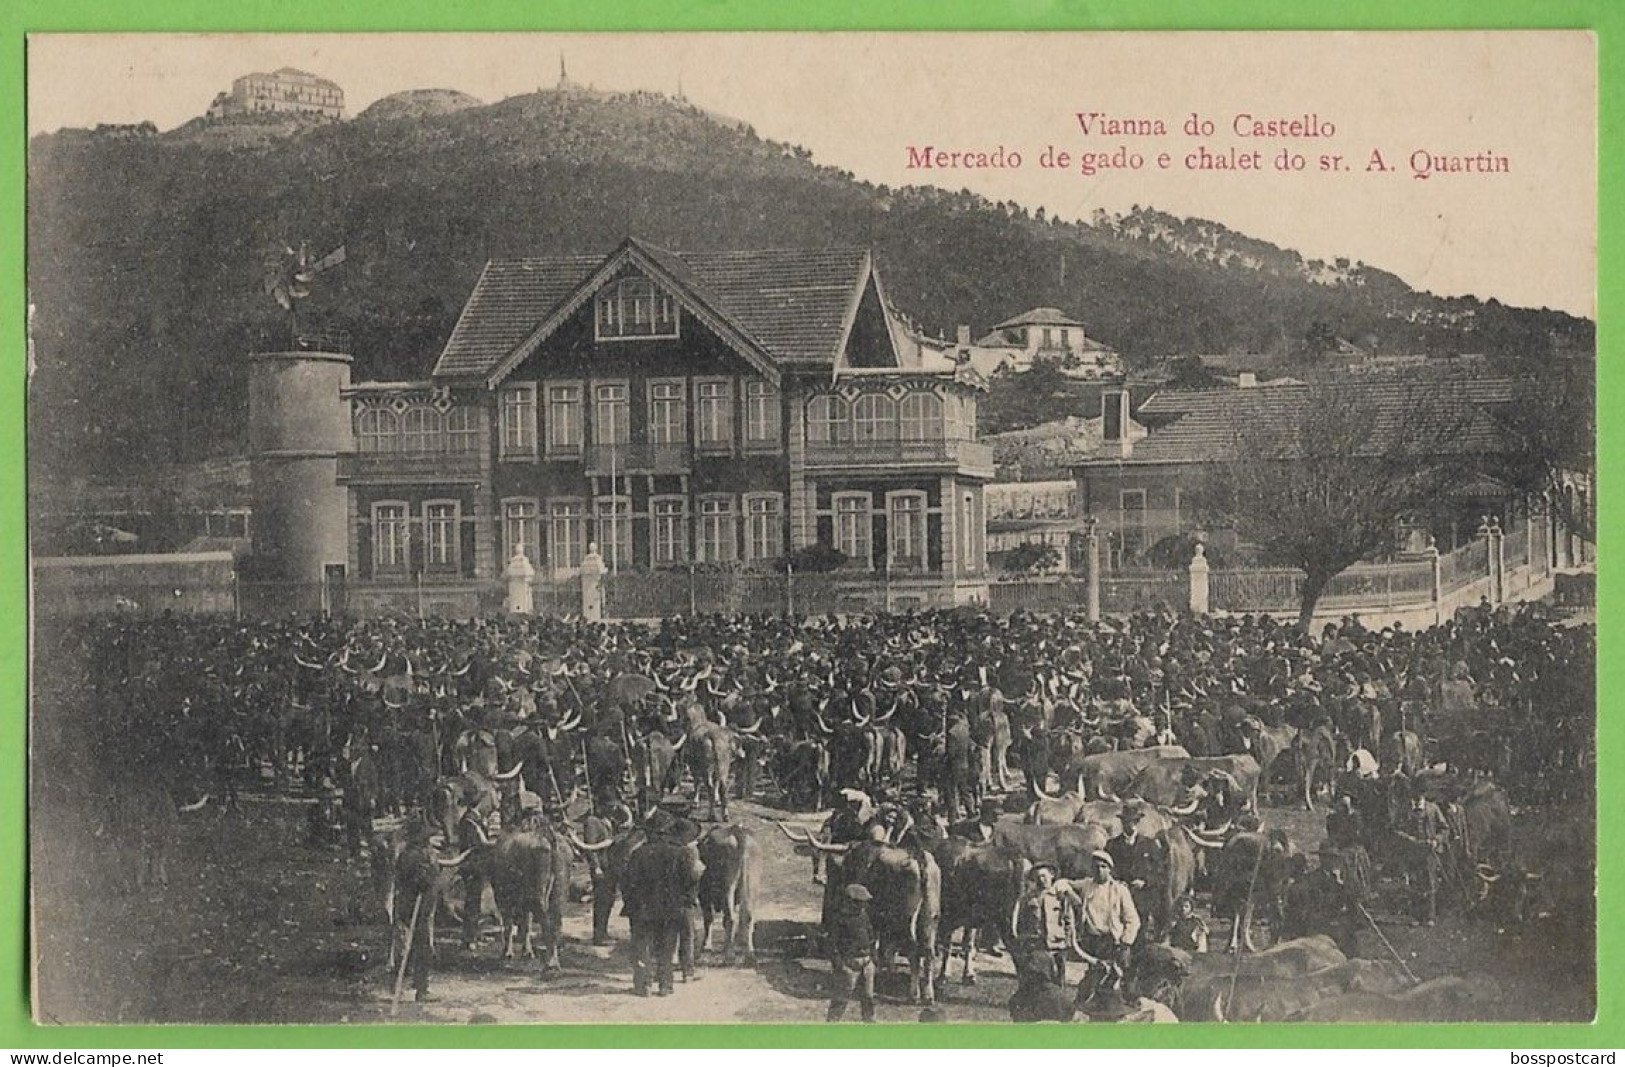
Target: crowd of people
934,704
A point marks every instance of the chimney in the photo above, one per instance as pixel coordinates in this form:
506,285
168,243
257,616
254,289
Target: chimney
1247,379
1114,422
963,335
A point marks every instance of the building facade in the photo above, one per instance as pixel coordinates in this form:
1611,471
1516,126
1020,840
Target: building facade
1043,333
711,411
286,91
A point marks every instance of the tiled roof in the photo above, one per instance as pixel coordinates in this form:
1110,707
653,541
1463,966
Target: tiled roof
793,303
1483,391
1040,317
1444,416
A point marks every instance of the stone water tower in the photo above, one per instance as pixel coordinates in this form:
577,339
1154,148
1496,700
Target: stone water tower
298,425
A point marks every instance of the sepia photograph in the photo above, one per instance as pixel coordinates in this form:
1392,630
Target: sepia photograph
812,527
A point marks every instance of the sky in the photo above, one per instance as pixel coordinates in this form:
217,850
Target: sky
862,102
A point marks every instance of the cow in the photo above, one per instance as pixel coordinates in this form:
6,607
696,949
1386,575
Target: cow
1402,753
1165,782
1068,848
802,769
1249,874
733,862
1105,775
606,847
529,871
1266,744
1314,757
906,886
1279,982
655,767
980,886
452,799
710,751
1442,1000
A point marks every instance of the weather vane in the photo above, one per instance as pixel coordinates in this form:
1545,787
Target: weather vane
288,281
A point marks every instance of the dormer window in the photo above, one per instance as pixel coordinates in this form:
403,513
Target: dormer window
635,309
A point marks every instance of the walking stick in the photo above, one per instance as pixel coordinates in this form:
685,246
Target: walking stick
1240,928
406,955
1388,945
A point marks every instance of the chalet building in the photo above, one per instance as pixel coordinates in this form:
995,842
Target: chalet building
1144,490
287,91
710,410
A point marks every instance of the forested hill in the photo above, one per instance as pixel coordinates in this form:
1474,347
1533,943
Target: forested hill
147,253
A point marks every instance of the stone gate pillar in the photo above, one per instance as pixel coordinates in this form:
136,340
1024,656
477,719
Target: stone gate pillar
592,585
520,574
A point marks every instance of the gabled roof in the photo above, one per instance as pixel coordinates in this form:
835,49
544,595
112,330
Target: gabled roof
1213,424
1040,317
786,307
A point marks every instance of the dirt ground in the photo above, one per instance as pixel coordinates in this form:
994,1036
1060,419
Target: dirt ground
256,927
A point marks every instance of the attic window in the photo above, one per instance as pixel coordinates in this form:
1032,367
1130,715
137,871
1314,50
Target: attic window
635,309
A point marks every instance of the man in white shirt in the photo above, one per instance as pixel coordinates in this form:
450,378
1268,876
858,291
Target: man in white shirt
1108,921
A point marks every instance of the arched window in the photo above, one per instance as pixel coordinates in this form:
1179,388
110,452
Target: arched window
828,421
420,430
874,418
376,431
922,417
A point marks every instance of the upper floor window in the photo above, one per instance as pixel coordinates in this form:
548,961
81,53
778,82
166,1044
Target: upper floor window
563,418
715,409
828,421
610,414
668,413
462,431
420,430
874,418
922,417
519,420
376,430
761,413
634,308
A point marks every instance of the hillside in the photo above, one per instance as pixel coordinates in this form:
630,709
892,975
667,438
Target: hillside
147,254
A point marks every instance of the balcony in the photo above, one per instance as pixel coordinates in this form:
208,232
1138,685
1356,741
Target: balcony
359,468
603,460
970,458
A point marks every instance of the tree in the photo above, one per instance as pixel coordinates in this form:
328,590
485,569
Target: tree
1032,557
1320,477
1319,340
1553,420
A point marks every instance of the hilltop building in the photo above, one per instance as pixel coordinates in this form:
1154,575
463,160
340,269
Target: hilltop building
1041,333
285,91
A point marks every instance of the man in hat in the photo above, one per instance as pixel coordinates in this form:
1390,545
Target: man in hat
850,937
1142,863
660,878
1042,922
1425,834
417,895
1108,920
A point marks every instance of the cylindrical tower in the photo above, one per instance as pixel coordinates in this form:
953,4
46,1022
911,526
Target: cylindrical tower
298,424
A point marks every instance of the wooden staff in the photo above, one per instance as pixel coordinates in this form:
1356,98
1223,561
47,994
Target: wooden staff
406,954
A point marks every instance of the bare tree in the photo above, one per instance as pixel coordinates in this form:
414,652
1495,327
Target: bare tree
1320,477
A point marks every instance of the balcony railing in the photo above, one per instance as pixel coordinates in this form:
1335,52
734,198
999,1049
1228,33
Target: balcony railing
970,456
637,459
409,466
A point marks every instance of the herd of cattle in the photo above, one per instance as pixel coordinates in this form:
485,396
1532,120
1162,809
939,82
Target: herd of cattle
519,747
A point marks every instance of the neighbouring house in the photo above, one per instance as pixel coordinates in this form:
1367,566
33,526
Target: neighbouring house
283,91
1042,333
1143,491
678,410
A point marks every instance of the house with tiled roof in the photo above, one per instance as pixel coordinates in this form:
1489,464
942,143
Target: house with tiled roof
677,410
1039,333
1143,490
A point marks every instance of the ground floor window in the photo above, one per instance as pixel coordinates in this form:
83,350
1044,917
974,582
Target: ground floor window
568,533
615,533
521,529
764,527
905,522
852,527
669,541
717,530
440,522
390,537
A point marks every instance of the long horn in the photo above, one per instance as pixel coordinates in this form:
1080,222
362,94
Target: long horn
381,661
455,860
786,831
582,846
1186,810
821,846
680,742
752,728
195,807
511,774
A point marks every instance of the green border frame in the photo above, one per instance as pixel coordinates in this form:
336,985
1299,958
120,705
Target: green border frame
1606,18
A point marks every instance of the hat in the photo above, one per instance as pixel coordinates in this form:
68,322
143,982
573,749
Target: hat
1133,811
1100,855
859,891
